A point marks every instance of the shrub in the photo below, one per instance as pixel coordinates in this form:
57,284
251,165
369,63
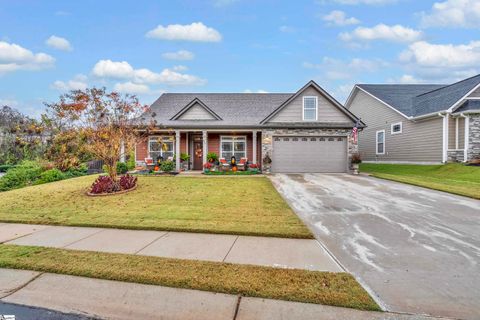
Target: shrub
5,167
356,158
22,175
81,170
127,182
167,166
104,184
50,176
131,161
212,157
122,168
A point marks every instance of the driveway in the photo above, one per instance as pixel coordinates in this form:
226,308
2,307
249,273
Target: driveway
416,250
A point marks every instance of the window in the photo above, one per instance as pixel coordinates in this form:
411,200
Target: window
380,142
161,147
396,128
232,146
310,108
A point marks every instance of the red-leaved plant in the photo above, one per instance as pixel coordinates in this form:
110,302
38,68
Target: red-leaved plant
127,182
253,166
104,184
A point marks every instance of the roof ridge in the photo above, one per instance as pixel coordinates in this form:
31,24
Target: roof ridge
245,93
452,84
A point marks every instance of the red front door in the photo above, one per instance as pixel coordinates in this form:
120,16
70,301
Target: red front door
197,153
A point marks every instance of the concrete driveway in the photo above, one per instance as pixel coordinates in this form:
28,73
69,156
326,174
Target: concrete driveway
416,250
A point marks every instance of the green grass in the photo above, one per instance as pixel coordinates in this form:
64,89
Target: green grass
336,289
454,178
248,206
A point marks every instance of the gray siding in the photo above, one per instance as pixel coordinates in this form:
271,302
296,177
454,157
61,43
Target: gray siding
461,133
420,141
452,133
197,112
327,112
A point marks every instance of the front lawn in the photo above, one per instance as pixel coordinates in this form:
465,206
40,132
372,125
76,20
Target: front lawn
454,178
337,289
247,206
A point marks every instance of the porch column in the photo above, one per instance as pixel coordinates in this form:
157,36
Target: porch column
205,145
177,150
254,146
467,134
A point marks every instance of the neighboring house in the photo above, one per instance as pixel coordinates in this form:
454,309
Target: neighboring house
306,131
418,123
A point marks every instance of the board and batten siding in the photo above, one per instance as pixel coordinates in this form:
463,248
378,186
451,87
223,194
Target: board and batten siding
452,133
420,141
327,112
196,112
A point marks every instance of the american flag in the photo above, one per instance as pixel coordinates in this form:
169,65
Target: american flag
355,131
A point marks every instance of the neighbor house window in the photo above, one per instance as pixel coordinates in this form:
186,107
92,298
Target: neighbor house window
310,105
396,128
161,147
380,142
233,146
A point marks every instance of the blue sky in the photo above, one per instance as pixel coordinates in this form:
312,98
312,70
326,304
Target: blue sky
150,47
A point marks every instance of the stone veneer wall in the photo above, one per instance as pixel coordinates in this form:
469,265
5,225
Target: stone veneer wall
473,151
455,155
267,141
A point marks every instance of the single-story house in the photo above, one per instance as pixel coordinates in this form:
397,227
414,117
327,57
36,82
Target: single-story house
418,123
306,131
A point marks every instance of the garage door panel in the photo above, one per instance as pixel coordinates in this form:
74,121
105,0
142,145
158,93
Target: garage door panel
309,154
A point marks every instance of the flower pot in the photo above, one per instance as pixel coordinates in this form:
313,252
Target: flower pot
355,167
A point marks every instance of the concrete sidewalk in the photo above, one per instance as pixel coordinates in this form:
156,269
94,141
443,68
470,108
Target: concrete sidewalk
275,252
121,300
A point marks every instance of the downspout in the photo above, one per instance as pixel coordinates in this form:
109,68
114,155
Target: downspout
444,137
466,127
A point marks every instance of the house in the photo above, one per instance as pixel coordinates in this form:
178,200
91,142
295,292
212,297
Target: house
306,131
418,123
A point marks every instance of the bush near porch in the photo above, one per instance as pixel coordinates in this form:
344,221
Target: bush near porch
453,178
248,206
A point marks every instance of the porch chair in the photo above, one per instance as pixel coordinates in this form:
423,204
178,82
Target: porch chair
224,165
242,164
149,163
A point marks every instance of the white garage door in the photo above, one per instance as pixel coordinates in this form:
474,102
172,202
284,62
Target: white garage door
309,154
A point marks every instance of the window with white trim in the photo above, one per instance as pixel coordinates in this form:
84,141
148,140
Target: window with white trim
233,146
380,142
396,128
310,106
161,147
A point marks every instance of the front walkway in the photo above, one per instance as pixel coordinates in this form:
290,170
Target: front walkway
275,252
122,300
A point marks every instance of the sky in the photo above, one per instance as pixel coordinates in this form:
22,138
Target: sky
151,47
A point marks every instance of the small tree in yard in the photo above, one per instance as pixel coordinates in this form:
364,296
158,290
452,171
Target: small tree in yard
108,122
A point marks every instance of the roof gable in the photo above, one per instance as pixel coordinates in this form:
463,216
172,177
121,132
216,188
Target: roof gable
340,112
196,110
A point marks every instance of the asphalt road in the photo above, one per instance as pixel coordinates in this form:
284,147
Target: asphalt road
416,250
32,313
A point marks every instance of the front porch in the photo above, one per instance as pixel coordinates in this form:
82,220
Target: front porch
189,148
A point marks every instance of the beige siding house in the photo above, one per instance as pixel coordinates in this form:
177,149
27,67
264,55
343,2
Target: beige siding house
418,123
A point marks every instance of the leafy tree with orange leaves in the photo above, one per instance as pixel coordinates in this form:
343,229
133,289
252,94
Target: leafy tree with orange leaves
107,122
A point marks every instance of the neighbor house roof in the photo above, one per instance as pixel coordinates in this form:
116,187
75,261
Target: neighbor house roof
415,100
469,105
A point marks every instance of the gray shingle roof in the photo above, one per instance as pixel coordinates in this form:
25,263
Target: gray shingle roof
420,99
235,109
399,96
468,106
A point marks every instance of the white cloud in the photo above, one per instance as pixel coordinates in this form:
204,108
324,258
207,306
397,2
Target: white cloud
453,13
396,33
339,18
132,88
442,62
253,91
196,31
14,57
336,69
123,70
179,55
9,102
79,82
59,43
286,29
180,68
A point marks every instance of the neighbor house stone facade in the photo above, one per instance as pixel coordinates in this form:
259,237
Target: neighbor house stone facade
474,136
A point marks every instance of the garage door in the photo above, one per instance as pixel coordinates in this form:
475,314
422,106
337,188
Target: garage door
309,154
